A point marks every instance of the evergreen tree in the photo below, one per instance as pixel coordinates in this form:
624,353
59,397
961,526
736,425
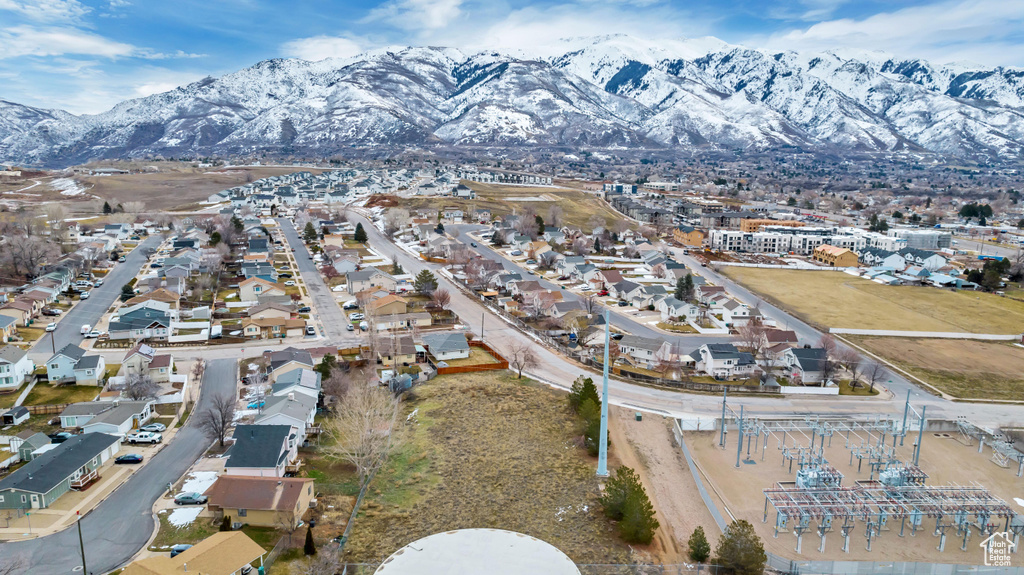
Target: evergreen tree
982,221
309,233
439,230
107,209
597,245
360,235
638,523
215,239
326,365
396,269
740,551
425,282
680,287
540,224
582,389
225,524
617,490
309,548
237,224
127,292
700,549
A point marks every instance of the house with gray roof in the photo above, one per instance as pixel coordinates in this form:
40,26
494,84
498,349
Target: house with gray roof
15,366
261,450
367,278
300,380
723,361
27,442
805,364
294,409
70,465
71,363
447,346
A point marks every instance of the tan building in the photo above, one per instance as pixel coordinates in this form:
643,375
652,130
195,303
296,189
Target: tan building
835,257
397,350
272,327
252,288
387,305
261,501
688,236
274,310
751,225
223,553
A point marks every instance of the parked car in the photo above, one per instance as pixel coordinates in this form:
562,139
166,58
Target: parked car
144,437
94,334
515,253
350,327
154,427
603,292
473,244
623,303
351,305
179,549
617,336
85,295
60,437
190,498
289,283
155,266
310,330
86,329
128,459
51,326
305,309
531,262
356,316
120,260
284,275
99,283
256,405
364,326
52,311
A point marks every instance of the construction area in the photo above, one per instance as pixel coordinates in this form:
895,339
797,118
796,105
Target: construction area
870,488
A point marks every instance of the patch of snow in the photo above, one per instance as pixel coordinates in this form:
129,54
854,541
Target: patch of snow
1019,501
253,368
184,516
67,187
240,413
199,481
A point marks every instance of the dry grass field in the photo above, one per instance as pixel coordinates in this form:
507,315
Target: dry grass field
834,299
968,369
487,450
578,207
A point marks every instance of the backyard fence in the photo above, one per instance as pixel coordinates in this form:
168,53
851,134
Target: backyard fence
502,363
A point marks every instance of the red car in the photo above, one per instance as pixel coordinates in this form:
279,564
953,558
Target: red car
603,292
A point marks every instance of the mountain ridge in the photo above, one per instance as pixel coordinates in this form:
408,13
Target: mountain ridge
604,92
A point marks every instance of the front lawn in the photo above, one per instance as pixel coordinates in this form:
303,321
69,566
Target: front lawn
46,394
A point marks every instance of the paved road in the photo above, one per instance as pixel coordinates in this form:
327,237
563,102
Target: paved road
687,343
69,327
331,316
120,526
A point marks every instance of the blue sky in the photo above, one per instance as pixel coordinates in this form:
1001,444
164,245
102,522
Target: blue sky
86,55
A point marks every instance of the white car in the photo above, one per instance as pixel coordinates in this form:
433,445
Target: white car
289,283
85,295
51,326
93,334
144,437
356,316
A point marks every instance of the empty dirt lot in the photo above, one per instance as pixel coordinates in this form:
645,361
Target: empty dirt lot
968,369
945,460
836,299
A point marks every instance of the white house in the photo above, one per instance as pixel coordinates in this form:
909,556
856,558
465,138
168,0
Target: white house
15,366
804,365
294,409
723,360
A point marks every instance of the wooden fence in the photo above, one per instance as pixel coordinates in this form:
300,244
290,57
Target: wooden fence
46,409
501,364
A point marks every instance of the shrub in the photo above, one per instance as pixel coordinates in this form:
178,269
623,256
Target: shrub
740,551
700,549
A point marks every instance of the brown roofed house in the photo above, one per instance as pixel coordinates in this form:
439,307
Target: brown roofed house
223,553
261,501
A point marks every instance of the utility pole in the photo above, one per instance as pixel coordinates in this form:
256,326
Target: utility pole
483,314
81,543
602,457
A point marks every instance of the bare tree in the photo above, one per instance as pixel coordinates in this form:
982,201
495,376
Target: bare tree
139,386
341,379
25,255
327,561
590,304
441,298
580,246
134,208
619,226
394,219
850,360
56,213
874,372
521,357
555,214
363,430
547,260
828,343
217,419
753,336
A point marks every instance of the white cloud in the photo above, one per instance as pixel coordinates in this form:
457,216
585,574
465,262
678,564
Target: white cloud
32,41
320,47
46,10
417,14
982,30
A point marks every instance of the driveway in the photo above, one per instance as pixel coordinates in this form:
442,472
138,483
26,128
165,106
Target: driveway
122,525
69,326
331,317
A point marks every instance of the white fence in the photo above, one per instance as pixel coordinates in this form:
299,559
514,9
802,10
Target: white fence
798,390
926,334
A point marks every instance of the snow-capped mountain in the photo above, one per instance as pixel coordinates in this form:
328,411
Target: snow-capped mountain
604,92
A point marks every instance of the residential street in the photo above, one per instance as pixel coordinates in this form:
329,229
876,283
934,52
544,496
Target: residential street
123,524
332,318
69,325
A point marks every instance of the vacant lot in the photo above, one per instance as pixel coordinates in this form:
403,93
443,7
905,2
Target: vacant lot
578,208
968,369
834,299
487,450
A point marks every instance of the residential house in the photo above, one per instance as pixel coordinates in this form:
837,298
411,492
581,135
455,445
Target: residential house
8,327
403,320
70,465
265,310
622,289
394,351
71,363
447,346
118,416
261,501
262,270
931,261
261,450
706,292
805,365
27,442
294,409
777,341
288,359
670,307
298,380
251,289
137,359
734,313
23,312
161,368
223,553
369,278
272,327
723,361
387,305
604,279
15,416
15,367
641,351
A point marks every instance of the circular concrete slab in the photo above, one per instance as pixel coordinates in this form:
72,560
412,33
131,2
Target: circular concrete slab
478,552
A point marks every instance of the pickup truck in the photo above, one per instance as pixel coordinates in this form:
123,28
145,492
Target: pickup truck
144,437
